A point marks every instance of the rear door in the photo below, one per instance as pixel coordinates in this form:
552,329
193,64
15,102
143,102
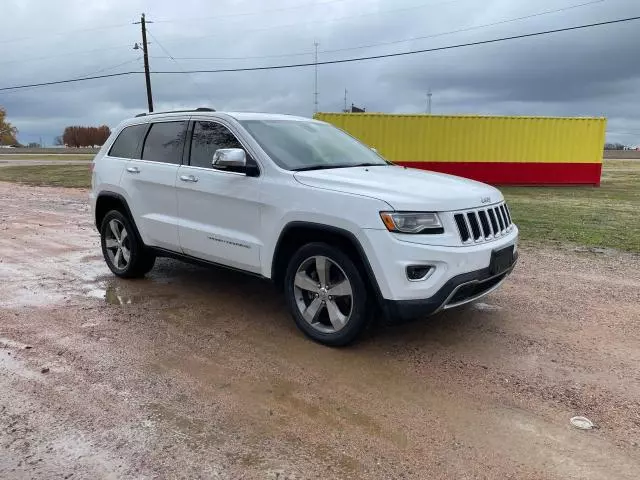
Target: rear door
150,182
107,172
219,211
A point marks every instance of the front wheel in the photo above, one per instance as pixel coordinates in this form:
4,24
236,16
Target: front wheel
326,294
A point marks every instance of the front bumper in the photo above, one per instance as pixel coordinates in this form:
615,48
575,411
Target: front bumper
461,289
460,275
389,255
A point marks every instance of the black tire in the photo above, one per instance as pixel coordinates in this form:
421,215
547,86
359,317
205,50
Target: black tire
140,260
356,304
147,263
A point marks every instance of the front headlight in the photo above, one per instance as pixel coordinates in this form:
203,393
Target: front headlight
412,222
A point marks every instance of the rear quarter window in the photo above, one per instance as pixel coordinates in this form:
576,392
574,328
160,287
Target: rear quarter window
129,141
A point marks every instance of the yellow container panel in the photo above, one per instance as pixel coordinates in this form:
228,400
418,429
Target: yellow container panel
435,138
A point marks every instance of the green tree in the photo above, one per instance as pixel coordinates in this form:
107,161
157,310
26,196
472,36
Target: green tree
8,132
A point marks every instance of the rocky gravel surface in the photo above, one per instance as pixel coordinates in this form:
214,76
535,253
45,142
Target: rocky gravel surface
197,373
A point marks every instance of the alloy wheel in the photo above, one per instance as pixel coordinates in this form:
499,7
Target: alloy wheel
118,244
323,294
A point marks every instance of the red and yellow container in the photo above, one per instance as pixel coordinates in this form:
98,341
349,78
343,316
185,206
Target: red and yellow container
498,150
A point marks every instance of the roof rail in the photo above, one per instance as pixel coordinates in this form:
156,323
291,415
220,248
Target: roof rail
199,109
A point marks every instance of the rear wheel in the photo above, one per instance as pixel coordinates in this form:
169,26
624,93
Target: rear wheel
124,252
326,294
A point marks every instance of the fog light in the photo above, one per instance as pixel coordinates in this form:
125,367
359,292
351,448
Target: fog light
418,272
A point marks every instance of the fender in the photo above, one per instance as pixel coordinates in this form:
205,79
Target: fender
123,201
336,231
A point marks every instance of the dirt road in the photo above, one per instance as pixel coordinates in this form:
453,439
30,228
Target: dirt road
7,161
196,373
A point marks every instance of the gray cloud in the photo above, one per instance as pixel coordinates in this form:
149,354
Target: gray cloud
589,72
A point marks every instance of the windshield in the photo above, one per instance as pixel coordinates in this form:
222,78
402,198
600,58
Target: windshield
300,145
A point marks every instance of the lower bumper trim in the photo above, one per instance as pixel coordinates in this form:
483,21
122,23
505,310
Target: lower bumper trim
459,290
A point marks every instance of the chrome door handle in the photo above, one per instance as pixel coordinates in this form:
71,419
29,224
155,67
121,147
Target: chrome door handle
133,170
188,178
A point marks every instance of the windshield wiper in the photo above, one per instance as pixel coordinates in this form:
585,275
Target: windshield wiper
343,165
366,164
314,167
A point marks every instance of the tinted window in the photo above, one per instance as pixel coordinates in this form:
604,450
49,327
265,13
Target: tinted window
164,142
128,142
207,138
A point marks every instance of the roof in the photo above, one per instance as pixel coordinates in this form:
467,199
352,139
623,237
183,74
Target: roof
264,116
184,114
200,112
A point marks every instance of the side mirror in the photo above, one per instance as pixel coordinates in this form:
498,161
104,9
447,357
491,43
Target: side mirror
224,158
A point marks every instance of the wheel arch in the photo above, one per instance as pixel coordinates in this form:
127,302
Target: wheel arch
108,201
298,233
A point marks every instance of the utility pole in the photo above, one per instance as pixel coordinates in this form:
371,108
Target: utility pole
429,94
345,100
145,55
315,92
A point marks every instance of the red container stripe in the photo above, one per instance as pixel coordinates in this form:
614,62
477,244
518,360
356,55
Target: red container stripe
513,173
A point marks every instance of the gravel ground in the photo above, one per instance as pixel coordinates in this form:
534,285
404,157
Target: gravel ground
196,373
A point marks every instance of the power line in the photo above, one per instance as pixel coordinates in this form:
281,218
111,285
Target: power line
618,132
330,20
179,20
248,14
70,80
244,31
206,36
413,52
81,52
393,42
110,68
468,29
68,54
345,60
22,60
193,80
66,32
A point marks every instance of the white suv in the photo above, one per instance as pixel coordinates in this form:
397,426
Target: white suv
341,230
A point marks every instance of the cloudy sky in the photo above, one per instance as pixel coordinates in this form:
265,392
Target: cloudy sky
591,72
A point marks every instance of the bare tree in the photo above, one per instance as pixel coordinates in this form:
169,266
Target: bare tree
76,136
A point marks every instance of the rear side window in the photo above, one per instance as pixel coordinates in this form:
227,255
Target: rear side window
207,138
128,142
164,142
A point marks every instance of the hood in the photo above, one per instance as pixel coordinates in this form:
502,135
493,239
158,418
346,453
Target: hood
404,188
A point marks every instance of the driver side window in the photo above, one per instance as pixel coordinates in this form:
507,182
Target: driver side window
207,138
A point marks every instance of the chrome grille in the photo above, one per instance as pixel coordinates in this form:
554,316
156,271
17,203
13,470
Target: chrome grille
483,224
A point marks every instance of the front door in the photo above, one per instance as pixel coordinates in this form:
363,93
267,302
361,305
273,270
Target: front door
219,211
151,182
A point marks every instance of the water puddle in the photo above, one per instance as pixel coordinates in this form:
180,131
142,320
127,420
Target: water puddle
8,343
115,295
112,292
486,307
122,292
10,363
